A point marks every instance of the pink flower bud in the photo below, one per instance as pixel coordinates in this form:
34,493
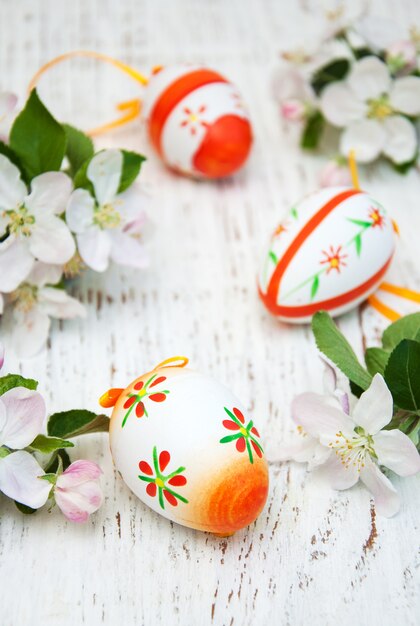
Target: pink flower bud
401,56
335,174
293,110
77,490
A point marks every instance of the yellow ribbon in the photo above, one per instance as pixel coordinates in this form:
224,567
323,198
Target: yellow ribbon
131,108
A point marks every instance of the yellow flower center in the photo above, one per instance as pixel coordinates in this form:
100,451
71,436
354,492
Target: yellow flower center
380,108
193,117
159,482
142,393
20,221
243,431
24,297
107,216
74,267
352,450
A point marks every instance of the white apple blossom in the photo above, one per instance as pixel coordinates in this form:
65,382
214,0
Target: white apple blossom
34,302
31,223
105,226
371,107
401,57
348,447
22,415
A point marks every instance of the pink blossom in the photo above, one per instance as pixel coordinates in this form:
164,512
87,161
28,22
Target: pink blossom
293,110
401,56
335,174
77,491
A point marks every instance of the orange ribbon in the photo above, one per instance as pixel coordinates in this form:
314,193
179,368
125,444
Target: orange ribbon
131,108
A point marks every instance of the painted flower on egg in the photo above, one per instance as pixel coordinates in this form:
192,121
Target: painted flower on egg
160,484
245,436
141,392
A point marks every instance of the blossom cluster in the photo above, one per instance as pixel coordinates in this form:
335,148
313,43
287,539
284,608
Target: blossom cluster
63,209
361,75
354,431
35,467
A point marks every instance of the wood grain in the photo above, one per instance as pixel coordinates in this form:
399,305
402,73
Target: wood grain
314,556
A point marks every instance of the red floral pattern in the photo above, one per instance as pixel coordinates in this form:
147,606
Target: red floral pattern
142,391
160,484
245,436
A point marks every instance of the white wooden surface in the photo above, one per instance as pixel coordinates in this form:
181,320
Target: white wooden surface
314,556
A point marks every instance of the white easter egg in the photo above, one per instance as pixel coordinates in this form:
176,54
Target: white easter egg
197,121
330,253
186,446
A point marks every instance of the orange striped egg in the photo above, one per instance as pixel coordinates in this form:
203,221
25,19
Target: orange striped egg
187,447
330,253
197,121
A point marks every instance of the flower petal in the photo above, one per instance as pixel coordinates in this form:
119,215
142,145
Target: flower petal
95,248
16,263
51,240
12,188
45,274
57,303
77,473
405,95
79,502
386,498
319,418
369,78
131,206
25,417
366,137
29,332
128,250
303,449
379,32
19,479
374,408
340,106
49,194
8,102
79,212
401,141
104,171
396,451
338,475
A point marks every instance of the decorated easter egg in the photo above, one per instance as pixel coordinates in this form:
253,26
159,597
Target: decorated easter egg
186,446
197,121
330,253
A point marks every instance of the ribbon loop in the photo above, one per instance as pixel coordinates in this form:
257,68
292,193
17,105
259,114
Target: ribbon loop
131,108
174,361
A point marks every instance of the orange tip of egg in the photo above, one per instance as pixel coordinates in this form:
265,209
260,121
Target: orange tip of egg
110,397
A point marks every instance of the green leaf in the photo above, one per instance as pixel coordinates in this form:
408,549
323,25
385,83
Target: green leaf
132,163
402,375
336,70
27,510
273,257
294,213
407,327
47,445
15,380
12,156
314,288
359,53
81,180
76,422
334,345
58,458
358,243
403,168
355,389
312,132
376,360
37,138
79,147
